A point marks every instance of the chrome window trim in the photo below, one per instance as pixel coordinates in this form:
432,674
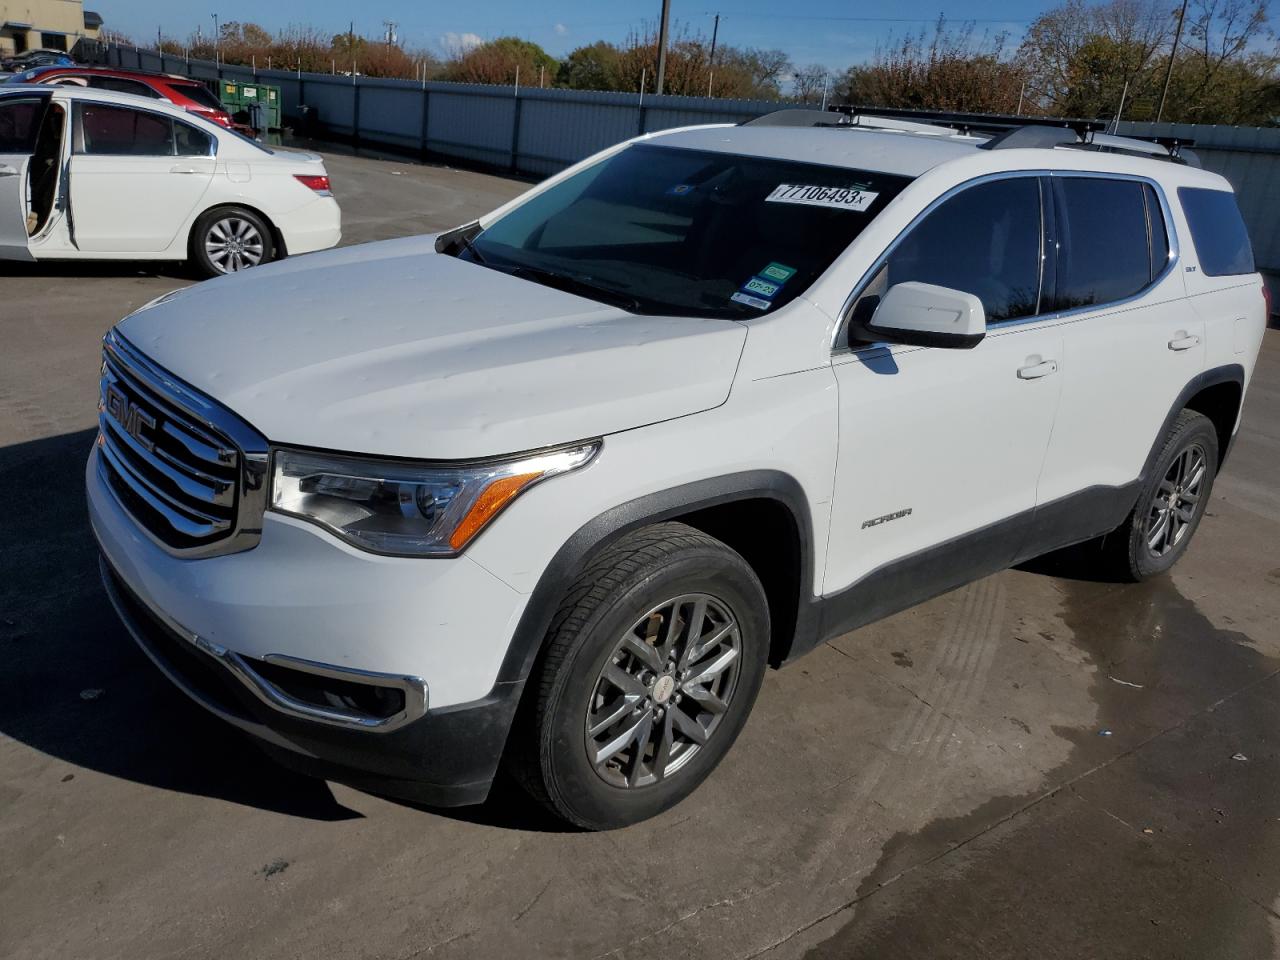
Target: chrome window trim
840,333
213,140
77,146
415,691
252,446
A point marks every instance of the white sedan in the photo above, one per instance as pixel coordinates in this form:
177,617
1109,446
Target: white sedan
96,175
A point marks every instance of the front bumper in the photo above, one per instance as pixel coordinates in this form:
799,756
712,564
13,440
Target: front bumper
218,627
445,757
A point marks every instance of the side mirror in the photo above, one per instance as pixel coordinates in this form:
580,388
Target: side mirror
925,315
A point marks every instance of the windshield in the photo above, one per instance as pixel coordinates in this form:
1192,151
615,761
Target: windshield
687,232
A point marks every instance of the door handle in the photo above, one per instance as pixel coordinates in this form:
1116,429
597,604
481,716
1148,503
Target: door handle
1035,371
182,168
1183,342
7,171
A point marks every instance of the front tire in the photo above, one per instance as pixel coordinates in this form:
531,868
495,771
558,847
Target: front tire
1167,514
650,670
230,239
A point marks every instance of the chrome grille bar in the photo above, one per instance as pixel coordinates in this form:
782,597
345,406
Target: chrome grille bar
190,472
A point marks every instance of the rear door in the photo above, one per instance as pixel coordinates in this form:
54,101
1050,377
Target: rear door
136,177
19,123
1131,340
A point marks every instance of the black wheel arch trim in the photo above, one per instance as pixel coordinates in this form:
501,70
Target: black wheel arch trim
599,532
1227,373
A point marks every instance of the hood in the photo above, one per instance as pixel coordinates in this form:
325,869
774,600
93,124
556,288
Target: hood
392,349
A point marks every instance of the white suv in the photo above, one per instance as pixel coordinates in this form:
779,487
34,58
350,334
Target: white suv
554,487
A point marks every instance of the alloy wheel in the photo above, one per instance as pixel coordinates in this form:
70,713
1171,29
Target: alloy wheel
233,243
664,690
1174,506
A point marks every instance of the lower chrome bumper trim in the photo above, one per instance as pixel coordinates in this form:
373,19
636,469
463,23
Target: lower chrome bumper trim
414,689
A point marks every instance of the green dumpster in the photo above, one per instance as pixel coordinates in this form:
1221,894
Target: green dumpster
264,94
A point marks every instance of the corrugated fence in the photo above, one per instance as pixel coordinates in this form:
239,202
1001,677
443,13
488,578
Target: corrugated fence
539,132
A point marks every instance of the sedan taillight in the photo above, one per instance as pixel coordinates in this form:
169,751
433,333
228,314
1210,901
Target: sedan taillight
317,182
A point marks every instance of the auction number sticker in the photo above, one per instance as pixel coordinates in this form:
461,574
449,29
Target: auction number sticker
838,198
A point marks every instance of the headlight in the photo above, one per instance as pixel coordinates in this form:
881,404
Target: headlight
404,508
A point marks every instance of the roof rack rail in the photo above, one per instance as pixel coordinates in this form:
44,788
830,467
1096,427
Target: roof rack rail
992,123
1005,132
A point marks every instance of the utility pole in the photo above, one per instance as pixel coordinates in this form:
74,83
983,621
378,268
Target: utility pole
1115,125
711,60
1173,53
217,39
662,44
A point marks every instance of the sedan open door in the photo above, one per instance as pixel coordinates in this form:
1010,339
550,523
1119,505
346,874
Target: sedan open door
19,122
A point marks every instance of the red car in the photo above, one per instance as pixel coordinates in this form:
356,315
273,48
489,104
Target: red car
191,95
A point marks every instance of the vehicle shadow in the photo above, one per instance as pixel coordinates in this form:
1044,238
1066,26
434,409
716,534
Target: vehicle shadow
1083,562
75,687
81,269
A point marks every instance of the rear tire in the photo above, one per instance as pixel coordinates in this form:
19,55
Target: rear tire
230,239
625,716
1168,512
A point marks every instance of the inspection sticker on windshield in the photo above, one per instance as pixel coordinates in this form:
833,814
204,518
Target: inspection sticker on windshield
778,272
751,301
839,198
760,287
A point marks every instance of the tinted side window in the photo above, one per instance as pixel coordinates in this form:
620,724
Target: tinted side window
1218,232
121,85
19,120
1158,232
1103,255
120,131
985,240
192,142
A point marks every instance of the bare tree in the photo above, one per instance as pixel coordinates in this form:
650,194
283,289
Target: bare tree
809,83
949,69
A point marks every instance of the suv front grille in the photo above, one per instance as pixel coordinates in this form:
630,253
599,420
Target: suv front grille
190,472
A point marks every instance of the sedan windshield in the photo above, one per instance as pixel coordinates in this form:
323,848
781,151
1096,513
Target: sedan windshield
687,232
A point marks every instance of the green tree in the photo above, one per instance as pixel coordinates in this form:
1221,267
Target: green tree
597,66
498,61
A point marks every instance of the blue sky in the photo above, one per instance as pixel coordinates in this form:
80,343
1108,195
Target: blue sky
832,32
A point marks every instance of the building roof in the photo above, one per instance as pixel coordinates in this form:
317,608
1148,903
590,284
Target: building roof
92,20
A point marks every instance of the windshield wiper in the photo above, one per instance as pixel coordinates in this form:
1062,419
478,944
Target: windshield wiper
574,284
472,249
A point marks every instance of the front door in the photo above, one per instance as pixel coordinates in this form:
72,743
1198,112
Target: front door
136,177
941,449
20,118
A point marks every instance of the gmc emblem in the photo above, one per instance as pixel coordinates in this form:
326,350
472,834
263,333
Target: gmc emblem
129,415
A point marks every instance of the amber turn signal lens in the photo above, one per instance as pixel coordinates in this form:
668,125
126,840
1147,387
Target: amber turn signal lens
487,506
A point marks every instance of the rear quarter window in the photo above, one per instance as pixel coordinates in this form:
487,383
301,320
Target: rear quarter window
1217,231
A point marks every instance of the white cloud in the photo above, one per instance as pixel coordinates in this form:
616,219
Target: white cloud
561,29
456,43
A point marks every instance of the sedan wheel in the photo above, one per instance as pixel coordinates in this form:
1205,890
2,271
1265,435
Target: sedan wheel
234,243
